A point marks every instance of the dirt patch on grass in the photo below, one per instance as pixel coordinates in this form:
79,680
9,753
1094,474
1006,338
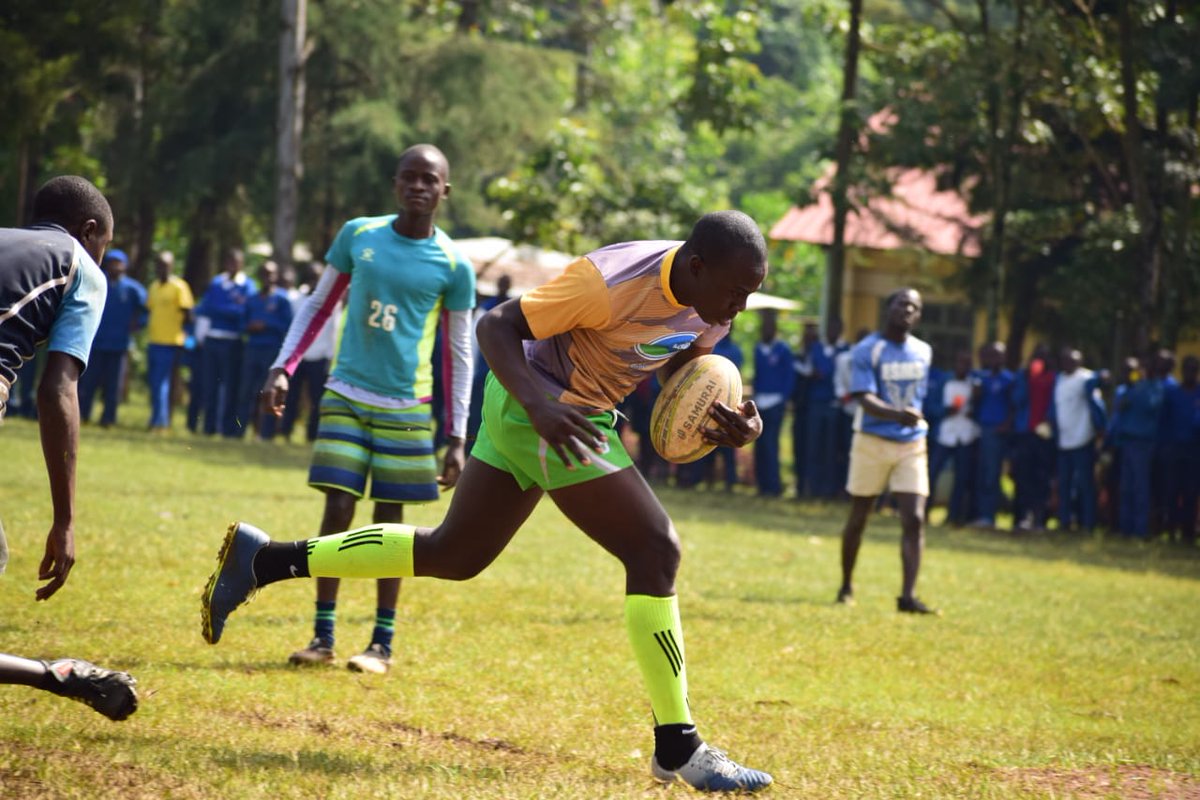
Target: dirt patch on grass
104,778
1127,782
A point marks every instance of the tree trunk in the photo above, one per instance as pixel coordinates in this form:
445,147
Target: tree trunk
290,124
202,244
1148,252
847,128
468,16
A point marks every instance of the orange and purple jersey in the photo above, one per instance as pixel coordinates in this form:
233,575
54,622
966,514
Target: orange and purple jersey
608,321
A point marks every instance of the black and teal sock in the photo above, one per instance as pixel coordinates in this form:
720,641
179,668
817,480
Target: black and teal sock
385,628
325,619
279,561
674,744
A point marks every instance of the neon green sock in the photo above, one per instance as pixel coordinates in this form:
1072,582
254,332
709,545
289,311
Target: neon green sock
657,638
382,550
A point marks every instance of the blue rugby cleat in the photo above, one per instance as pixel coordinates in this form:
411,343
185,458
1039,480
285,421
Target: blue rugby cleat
710,770
233,582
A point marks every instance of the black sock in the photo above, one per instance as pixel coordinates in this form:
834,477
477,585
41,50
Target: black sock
279,561
674,744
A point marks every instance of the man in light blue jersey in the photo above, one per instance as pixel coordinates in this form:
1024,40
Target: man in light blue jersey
403,278
889,378
52,291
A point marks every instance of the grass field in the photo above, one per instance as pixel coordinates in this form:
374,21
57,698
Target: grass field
1060,669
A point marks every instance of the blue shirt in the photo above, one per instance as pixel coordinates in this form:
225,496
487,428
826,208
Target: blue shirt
224,303
896,373
820,382
124,312
995,397
273,309
1180,421
398,290
728,348
933,406
773,372
1140,410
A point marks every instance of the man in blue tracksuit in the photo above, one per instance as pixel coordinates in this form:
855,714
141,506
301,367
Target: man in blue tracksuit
124,313
824,414
773,376
993,412
1137,432
1180,432
224,308
268,315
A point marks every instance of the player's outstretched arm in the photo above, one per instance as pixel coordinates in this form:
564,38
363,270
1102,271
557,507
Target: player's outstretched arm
58,417
501,333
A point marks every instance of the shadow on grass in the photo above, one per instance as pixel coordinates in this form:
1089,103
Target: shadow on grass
825,520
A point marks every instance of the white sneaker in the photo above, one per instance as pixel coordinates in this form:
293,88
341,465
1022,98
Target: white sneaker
375,660
710,770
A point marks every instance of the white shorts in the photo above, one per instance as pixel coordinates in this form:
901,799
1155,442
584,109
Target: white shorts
877,463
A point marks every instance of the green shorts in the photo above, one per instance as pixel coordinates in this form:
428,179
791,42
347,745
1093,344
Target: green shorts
392,447
508,442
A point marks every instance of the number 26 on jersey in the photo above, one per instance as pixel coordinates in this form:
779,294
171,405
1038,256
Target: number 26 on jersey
382,316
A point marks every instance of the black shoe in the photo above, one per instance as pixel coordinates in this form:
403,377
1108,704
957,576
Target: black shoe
109,692
911,605
845,596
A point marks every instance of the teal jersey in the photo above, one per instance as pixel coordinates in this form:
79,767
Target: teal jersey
399,288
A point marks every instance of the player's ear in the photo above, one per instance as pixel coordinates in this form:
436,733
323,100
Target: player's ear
446,189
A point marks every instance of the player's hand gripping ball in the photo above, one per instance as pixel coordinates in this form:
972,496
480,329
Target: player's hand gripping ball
681,411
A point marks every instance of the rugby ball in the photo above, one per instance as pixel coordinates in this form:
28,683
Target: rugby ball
681,410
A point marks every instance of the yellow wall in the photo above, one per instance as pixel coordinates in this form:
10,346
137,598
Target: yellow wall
872,275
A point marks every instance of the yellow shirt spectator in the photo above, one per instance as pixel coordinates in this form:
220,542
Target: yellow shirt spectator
168,301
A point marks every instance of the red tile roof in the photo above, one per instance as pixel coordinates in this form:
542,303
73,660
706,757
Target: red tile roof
916,214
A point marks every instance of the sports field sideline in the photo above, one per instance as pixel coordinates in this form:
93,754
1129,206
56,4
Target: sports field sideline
1062,668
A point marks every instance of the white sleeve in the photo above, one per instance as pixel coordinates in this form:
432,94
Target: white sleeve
462,367
319,304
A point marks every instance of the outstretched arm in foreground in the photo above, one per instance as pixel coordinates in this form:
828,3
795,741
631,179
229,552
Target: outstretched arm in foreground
58,416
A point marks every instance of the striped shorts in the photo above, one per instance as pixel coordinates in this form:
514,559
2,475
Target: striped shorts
394,447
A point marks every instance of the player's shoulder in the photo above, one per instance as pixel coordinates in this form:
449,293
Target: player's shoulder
366,225
450,248
631,259
921,347
867,345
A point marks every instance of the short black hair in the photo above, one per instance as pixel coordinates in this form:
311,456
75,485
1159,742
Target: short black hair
720,234
70,200
891,298
430,150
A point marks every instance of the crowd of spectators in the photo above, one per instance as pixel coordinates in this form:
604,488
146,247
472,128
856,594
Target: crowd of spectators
1051,444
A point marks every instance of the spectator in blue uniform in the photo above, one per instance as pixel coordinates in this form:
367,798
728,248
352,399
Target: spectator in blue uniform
124,314
802,375
773,378
993,411
1137,433
821,424
1164,368
223,307
1129,373
268,315
1180,430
